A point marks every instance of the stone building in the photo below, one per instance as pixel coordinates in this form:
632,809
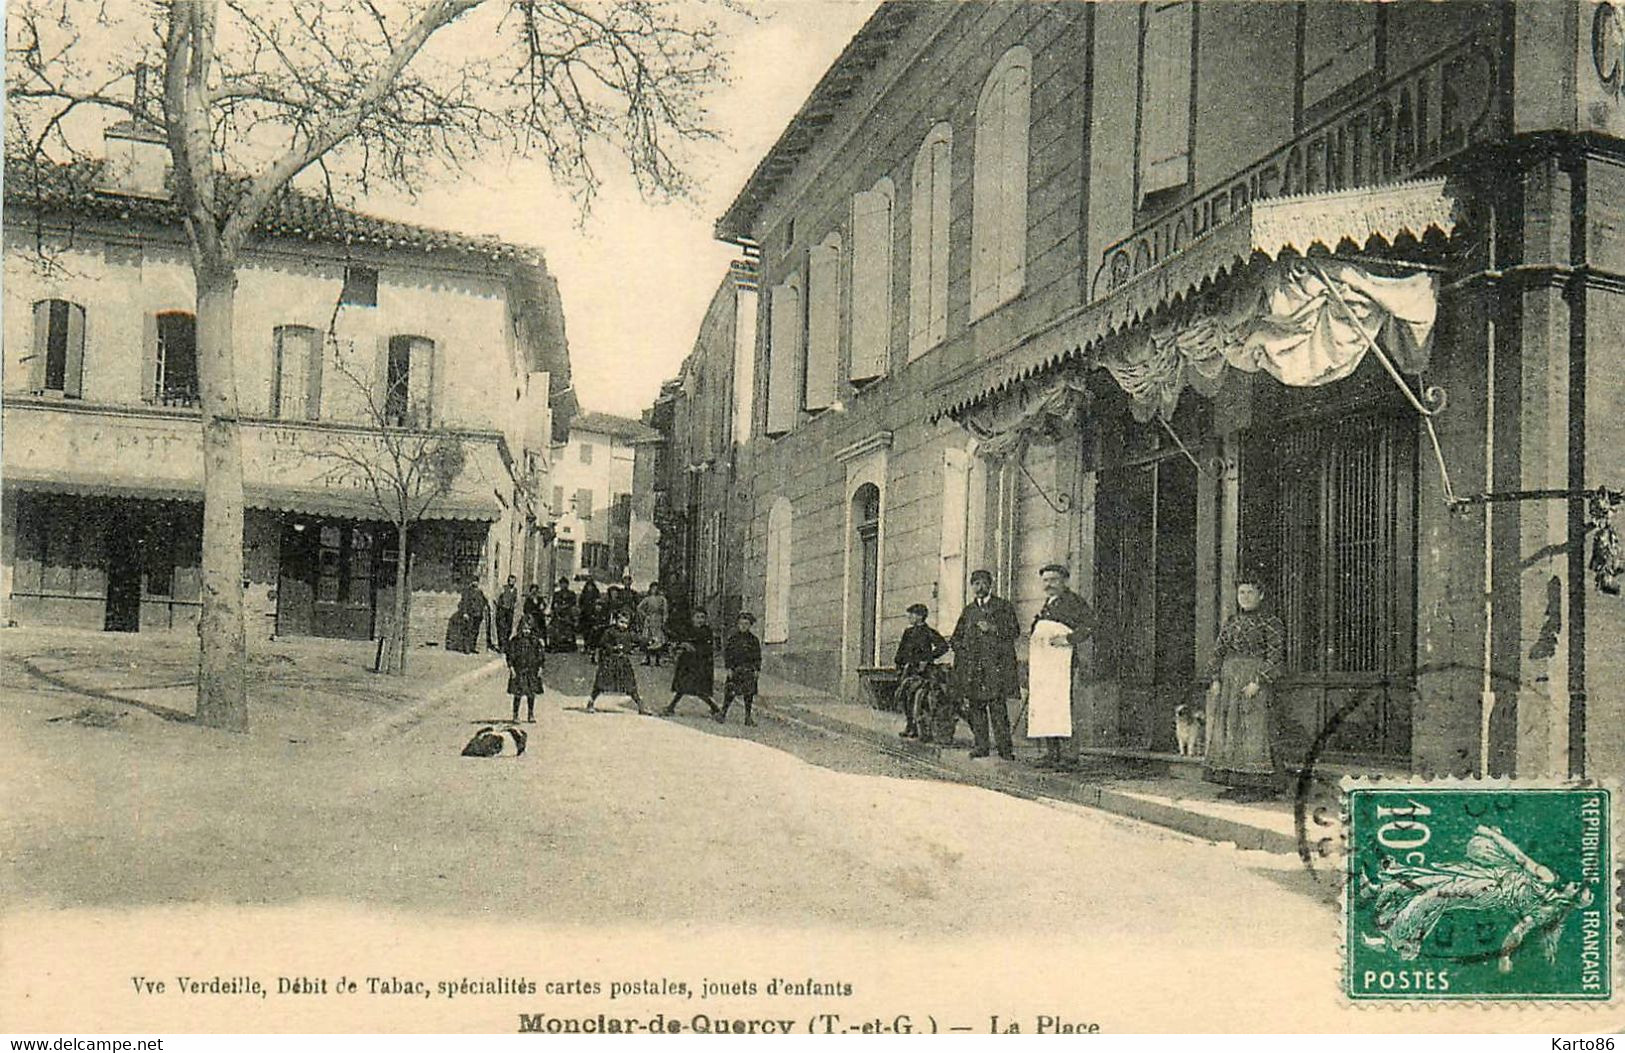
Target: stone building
598,526
347,328
703,417
1174,291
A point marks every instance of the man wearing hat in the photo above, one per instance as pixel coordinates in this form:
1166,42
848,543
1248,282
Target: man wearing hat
917,654
1063,623
984,644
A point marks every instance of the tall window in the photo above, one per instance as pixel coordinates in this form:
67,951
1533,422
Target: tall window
785,330
1340,46
360,287
296,383
1167,44
823,322
1324,519
409,382
999,221
586,453
583,503
59,348
776,612
871,282
928,242
172,363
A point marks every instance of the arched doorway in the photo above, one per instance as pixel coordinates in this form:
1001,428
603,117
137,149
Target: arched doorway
866,546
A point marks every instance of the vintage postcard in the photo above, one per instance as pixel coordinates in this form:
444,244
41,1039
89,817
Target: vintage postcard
575,517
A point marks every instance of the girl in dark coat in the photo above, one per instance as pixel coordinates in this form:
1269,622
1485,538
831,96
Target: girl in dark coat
563,636
526,656
587,610
696,666
615,674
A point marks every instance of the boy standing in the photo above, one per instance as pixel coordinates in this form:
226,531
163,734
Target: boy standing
917,654
742,654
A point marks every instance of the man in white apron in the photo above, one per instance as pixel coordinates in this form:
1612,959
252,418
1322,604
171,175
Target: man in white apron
1058,629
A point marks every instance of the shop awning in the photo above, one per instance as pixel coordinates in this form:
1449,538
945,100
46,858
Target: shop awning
1265,230
314,501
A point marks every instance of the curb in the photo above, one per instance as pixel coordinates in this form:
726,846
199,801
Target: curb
1030,784
404,720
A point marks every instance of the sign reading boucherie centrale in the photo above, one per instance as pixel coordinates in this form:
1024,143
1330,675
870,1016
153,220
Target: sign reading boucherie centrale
1401,129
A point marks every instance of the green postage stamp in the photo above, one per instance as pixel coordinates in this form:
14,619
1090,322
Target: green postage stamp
1459,891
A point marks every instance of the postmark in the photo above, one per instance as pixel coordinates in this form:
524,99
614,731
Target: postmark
1479,891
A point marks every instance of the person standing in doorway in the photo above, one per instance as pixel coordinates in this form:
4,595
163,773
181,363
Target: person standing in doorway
507,602
984,644
1248,657
1063,623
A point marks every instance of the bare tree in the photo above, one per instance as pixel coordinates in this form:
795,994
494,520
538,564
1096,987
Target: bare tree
257,97
403,463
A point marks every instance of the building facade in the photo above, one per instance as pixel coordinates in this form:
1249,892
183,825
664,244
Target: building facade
600,530
1119,286
357,340
703,417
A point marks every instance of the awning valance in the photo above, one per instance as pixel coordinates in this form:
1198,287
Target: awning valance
1264,230
313,501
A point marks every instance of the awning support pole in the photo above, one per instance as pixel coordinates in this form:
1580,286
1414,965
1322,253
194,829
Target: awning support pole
1433,394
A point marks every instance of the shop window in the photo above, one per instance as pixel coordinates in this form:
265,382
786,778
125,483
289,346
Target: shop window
595,556
929,205
409,382
466,558
999,214
360,287
296,380
1167,46
330,564
58,362
172,360
359,567
871,282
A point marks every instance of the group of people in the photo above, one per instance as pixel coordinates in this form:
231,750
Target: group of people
607,632
1248,656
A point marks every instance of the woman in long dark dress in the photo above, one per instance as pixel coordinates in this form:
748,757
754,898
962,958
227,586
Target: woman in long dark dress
695,673
563,635
615,674
587,612
1248,658
526,656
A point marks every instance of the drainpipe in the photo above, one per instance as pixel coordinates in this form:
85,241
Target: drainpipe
1486,691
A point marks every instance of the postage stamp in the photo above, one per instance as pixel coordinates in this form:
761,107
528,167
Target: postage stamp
1492,892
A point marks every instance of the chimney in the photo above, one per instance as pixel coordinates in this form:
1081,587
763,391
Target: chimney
137,152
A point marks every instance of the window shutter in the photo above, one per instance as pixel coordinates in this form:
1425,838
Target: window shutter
784,354
584,503
871,284
1165,97
149,349
381,379
420,382
313,375
951,569
941,170
42,346
1012,263
919,256
987,201
823,322
74,382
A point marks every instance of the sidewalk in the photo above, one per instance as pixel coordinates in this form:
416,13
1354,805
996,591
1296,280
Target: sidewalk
298,688
1165,791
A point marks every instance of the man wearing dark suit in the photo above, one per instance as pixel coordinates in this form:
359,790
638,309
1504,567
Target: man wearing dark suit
1063,605
984,643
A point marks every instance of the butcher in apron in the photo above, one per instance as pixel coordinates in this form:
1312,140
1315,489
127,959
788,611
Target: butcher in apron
1059,628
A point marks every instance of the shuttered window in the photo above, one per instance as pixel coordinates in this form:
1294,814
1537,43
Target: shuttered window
823,322
784,357
58,363
171,378
871,282
296,380
1339,46
999,213
1167,44
409,382
776,615
928,242
955,521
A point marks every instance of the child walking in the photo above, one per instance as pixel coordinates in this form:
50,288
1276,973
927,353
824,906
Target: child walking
615,674
526,653
742,654
695,673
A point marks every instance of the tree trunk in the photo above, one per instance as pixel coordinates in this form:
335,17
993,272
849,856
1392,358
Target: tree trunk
402,584
222,700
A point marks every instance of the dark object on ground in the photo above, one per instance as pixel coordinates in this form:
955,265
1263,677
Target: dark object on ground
489,742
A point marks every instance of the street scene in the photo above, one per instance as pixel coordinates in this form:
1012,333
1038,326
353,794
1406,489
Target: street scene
853,509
